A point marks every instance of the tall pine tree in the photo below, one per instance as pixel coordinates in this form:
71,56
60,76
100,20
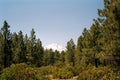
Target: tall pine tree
7,54
69,56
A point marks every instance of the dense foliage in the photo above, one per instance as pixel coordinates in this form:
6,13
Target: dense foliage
22,72
95,57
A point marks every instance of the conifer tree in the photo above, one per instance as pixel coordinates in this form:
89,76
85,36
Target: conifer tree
38,54
21,47
7,56
69,56
31,47
110,39
15,48
1,51
78,53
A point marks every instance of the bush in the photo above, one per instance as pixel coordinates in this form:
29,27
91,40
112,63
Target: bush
101,73
59,64
21,72
46,70
63,73
13,72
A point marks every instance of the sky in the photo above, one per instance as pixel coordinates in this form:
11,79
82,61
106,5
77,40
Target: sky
54,21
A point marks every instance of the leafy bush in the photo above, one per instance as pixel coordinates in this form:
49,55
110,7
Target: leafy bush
101,73
45,70
59,64
63,73
21,72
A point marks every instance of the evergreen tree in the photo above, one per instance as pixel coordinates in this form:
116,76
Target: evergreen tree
110,39
7,56
56,56
38,55
27,47
15,48
18,48
96,32
69,56
102,41
1,51
78,53
87,47
21,47
31,47
62,56
48,58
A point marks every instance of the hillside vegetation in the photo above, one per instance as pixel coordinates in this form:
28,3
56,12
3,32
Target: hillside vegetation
95,57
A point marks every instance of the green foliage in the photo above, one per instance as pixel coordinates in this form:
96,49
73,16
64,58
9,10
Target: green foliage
101,73
5,38
102,41
45,70
38,54
51,57
59,64
18,48
22,72
63,73
110,39
69,55
97,48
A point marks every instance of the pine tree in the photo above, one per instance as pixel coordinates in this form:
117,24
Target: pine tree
95,32
1,51
38,55
7,56
56,56
31,47
62,56
78,53
15,48
21,47
69,56
110,39
48,57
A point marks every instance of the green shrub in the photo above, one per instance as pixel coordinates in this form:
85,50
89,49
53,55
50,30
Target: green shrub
21,72
13,72
59,64
46,70
101,73
63,73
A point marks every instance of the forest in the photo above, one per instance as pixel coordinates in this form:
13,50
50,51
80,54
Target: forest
95,57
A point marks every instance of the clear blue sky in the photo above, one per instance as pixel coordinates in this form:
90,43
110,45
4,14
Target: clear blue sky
55,21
